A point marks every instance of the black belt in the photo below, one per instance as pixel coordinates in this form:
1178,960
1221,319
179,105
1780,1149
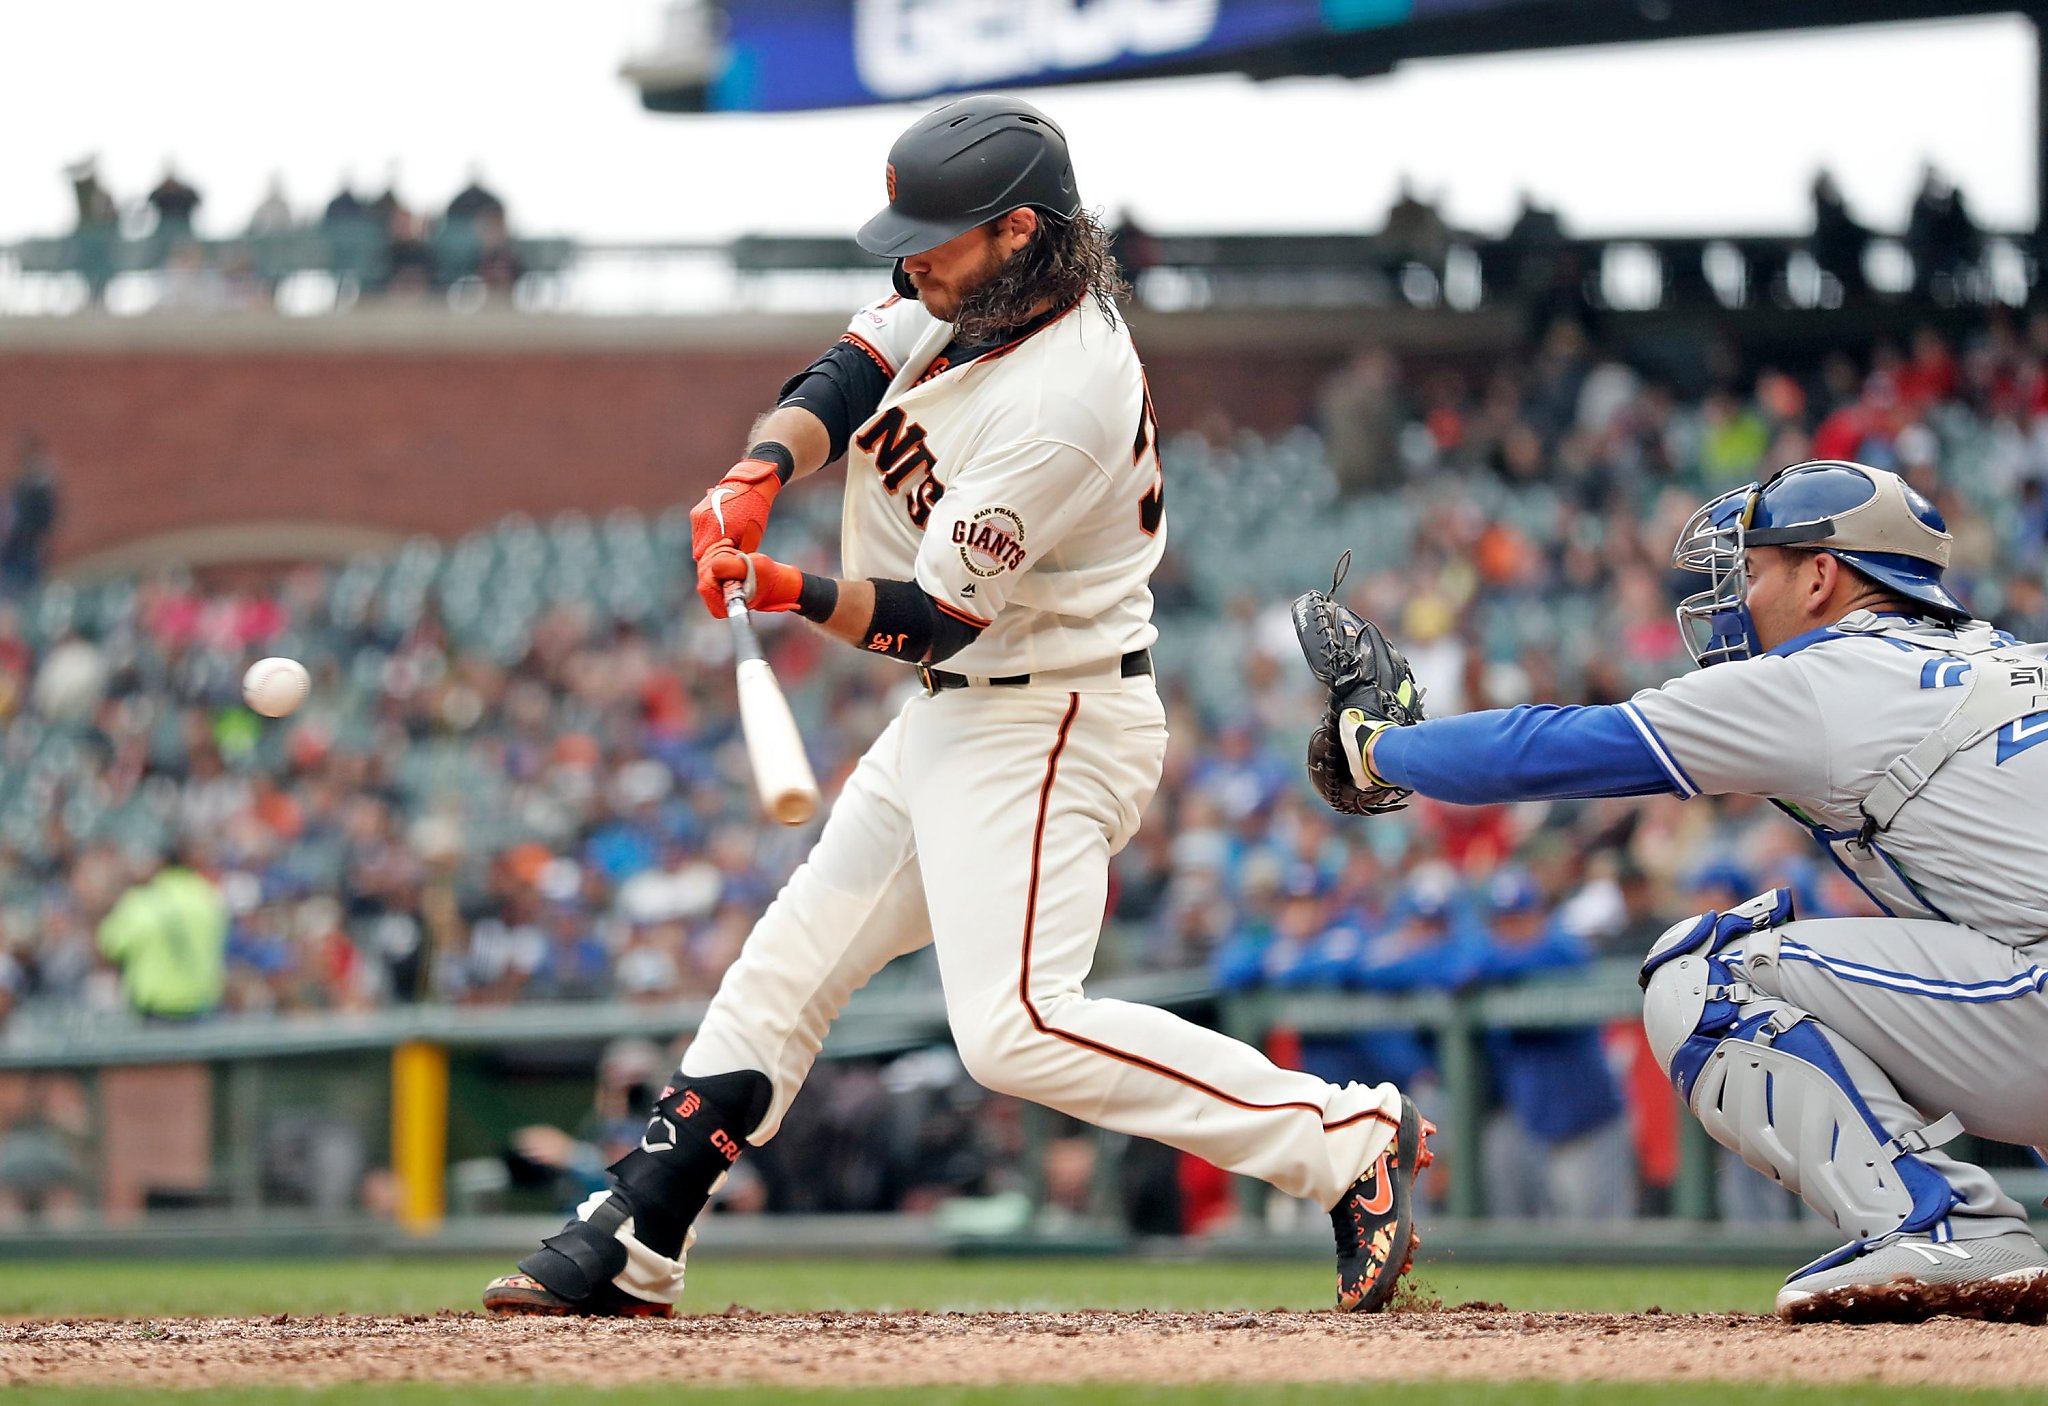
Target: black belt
1137,662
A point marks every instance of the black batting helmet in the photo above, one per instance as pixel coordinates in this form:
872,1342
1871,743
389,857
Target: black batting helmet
963,165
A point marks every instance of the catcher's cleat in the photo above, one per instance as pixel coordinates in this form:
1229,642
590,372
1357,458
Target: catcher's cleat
523,1294
1375,1222
1908,1278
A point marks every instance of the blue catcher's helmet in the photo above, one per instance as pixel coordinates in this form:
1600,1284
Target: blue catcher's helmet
1869,518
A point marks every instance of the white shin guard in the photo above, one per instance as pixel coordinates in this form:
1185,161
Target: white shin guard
1787,1117
1769,1082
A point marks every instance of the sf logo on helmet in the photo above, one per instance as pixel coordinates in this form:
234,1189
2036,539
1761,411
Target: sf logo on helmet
892,181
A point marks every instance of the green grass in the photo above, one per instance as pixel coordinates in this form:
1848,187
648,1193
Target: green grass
198,1288
1409,1394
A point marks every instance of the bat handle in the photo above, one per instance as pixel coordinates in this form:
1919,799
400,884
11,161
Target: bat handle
745,644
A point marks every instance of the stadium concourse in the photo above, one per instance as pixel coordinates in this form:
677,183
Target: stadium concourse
519,777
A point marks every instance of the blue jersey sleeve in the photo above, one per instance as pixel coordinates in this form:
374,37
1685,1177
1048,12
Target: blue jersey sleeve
1522,754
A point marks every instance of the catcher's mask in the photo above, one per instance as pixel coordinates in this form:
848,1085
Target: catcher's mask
1869,518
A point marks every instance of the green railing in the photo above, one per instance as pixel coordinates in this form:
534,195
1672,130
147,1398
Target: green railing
245,1056
1605,992
876,1022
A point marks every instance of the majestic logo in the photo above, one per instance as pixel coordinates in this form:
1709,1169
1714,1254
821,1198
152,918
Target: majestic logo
892,182
991,542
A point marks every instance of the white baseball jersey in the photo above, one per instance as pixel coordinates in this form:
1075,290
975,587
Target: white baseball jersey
1815,723
1020,489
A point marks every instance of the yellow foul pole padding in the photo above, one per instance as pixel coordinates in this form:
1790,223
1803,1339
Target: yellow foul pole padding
419,1133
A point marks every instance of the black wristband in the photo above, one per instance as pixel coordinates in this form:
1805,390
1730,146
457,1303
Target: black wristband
772,452
817,598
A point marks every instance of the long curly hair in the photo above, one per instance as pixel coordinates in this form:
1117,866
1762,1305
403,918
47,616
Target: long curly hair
1065,259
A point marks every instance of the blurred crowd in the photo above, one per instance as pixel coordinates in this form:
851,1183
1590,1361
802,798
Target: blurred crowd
375,246
1537,261
375,243
520,779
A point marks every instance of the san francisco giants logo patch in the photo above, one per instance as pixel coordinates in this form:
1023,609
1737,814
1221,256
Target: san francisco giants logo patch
892,181
991,542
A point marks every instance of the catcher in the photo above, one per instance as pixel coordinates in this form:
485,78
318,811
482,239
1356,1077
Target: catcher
1855,691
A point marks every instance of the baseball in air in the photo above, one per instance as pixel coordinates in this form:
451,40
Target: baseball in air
274,687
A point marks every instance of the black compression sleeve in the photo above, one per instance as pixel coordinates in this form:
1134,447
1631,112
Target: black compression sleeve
842,388
909,625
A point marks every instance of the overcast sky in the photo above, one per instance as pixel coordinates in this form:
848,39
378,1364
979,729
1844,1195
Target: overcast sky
1715,135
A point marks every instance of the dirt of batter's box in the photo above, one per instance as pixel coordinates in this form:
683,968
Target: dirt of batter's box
872,1349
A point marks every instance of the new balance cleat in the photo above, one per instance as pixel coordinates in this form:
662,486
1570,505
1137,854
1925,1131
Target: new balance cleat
523,1294
1907,1278
1375,1222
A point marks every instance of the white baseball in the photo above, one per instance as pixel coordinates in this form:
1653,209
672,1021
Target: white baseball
274,687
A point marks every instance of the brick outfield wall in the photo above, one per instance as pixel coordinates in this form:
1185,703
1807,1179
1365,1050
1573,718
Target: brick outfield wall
154,441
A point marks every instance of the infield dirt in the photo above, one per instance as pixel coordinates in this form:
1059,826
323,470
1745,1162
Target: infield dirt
857,1349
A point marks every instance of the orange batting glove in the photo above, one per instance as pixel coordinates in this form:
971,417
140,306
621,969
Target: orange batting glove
770,585
736,508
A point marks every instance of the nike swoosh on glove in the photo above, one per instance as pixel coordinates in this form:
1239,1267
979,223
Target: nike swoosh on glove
735,509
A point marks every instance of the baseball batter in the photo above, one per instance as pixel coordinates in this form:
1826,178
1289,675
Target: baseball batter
1004,511
1853,689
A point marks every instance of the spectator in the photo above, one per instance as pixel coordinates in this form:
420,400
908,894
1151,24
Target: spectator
43,1141
1839,242
273,214
96,209
475,202
1135,248
1734,441
190,284
1361,414
385,208
1557,1145
168,935
346,207
1941,238
174,202
97,230
1426,945
1528,254
577,966
12,982
355,236
499,266
408,258
1414,233
572,1164
31,515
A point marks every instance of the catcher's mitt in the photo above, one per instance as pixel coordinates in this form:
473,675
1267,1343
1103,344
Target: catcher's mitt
1365,675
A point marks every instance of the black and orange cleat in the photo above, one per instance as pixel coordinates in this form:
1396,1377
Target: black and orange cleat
1375,1222
523,1294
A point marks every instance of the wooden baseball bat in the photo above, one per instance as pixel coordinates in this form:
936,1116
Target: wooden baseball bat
782,771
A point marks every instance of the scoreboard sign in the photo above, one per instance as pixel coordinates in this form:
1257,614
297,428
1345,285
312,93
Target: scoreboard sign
784,55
